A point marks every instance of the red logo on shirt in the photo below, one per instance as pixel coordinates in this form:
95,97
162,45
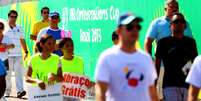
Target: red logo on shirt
132,80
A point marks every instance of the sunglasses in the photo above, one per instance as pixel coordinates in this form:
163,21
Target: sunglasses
130,27
55,17
179,21
13,16
45,12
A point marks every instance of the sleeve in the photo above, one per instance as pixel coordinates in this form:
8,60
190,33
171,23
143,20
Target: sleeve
194,76
22,34
152,31
34,31
43,31
102,70
188,31
29,61
151,72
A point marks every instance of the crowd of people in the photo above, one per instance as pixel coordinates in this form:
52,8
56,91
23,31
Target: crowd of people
123,72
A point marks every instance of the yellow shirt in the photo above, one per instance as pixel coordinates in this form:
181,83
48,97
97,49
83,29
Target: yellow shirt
76,65
41,68
38,26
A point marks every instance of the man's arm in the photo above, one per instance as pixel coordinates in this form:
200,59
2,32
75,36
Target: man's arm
101,88
157,65
148,45
33,37
24,46
193,93
153,93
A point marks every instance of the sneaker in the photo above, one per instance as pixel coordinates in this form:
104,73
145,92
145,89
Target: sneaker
7,95
21,94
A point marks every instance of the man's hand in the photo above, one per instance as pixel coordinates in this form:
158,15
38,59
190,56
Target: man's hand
26,55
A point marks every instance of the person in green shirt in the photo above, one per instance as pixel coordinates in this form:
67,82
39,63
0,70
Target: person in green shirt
44,67
70,62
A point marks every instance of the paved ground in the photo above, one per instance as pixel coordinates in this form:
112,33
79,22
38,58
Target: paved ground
13,96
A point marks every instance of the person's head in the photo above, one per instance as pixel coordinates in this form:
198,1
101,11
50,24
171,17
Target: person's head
46,44
115,38
45,12
171,7
1,27
54,18
67,46
128,28
178,24
12,16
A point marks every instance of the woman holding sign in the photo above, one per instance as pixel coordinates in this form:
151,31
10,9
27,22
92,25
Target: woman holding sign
44,67
70,62
73,68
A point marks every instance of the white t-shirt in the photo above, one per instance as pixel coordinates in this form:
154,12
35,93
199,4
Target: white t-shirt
4,55
15,34
194,76
129,75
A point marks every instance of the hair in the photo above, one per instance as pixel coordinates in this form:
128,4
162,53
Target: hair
167,2
43,40
179,14
115,36
1,23
44,9
64,41
12,12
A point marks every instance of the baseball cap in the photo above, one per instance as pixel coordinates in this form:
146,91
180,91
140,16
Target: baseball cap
54,14
178,16
127,18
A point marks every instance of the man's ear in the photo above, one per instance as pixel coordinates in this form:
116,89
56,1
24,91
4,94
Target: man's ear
165,9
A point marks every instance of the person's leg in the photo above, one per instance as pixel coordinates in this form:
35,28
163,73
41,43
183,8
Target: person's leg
172,94
2,85
18,68
184,92
8,77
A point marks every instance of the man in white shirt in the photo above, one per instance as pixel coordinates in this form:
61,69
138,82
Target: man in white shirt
194,79
124,73
16,36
